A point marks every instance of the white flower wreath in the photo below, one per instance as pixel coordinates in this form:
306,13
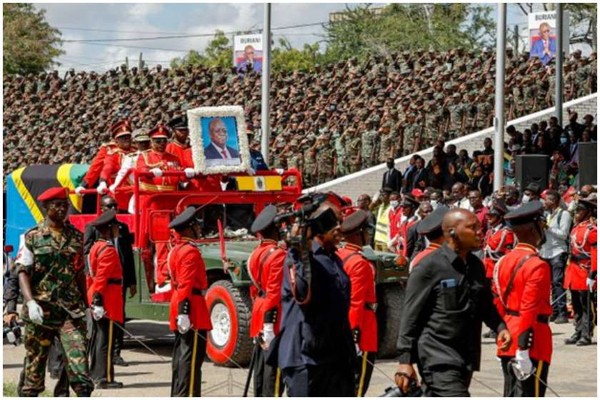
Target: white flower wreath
195,117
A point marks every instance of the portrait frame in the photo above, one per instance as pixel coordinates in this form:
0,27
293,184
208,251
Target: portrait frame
199,119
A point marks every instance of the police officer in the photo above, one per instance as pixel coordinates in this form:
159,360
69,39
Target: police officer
188,316
580,277
106,300
265,267
446,301
53,291
523,282
431,228
316,350
363,300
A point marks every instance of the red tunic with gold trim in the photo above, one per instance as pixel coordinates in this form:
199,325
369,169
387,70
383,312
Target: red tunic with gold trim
188,278
525,302
166,162
584,237
265,266
93,173
112,164
499,240
178,150
363,299
106,279
424,253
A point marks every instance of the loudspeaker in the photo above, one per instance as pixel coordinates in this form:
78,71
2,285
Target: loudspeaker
532,168
587,164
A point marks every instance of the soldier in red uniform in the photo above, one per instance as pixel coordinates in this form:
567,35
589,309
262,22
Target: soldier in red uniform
363,301
180,143
499,239
106,300
93,173
522,280
188,316
265,267
409,207
580,276
157,160
121,133
431,228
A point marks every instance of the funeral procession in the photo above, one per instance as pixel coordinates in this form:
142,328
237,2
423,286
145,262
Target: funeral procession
300,199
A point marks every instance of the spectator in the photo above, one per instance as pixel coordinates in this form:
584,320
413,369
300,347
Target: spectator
556,251
392,178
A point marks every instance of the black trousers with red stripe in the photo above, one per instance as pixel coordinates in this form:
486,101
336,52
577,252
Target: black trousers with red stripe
188,355
101,346
533,386
267,379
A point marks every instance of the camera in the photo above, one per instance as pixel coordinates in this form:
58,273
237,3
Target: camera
12,333
394,391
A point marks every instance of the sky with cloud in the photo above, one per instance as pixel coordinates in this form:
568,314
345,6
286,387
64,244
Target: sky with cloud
86,21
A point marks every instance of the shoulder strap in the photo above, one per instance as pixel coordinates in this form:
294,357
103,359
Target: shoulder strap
349,256
509,286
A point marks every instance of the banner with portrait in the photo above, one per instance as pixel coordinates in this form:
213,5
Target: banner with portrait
542,35
218,139
248,53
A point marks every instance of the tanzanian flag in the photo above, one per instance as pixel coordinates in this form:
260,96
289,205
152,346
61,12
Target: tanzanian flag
24,185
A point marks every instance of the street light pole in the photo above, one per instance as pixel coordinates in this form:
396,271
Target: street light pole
499,110
266,84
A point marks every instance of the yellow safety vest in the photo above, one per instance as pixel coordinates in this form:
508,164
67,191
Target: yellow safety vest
383,220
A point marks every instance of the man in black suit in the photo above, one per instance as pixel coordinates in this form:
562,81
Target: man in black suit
218,149
418,177
392,178
124,245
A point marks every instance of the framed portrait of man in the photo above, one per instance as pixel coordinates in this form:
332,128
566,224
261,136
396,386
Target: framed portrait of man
218,139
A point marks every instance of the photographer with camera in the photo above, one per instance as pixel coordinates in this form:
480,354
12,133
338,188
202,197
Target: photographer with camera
315,350
447,298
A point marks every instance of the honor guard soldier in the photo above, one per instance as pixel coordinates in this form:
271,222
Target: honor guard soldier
121,133
580,277
106,300
188,316
51,275
523,283
316,351
179,145
93,173
499,238
265,267
431,228
363,300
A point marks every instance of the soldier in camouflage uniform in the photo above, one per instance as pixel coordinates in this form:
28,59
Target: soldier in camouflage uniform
412,130
353,161
370,144
324,158
50,268
310,167
339,142
387,138
455,123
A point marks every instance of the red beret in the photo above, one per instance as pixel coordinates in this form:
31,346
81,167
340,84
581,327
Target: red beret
417,193
55,193
120,128
159,131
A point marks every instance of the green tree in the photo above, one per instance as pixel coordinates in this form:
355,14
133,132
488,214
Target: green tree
364,31
219,52
286,58
31,45
192,57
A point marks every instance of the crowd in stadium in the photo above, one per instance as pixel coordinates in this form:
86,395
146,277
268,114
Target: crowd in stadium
337,119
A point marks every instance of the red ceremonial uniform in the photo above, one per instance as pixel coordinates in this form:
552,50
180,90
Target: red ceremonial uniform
188,278
166,162
584,237
265,266
394,218
499,240
178,150
93,173
112,164
526,307
363,300
403,235
106,277
424,253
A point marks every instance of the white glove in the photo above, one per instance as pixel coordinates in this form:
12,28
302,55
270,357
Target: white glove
36,314
78,190
590,284
183,323
251,171
268,334
523,363
101,187
112,187
98,312
189,172
357,348
279,171
157,172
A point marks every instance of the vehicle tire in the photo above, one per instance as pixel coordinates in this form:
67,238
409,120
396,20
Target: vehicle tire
229,342
390,298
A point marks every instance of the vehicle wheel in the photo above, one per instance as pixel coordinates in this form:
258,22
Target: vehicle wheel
390,301
229,340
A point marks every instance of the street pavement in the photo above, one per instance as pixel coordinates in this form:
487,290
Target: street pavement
573,372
